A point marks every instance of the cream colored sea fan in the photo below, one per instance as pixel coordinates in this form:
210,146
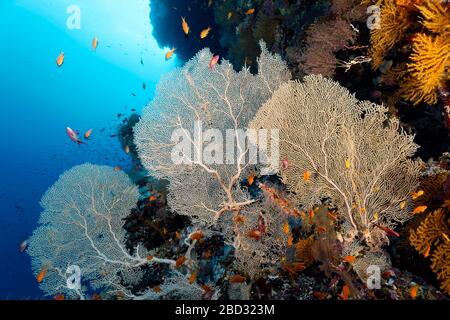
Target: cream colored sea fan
357,157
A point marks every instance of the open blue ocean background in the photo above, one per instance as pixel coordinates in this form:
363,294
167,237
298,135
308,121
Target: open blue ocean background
38,101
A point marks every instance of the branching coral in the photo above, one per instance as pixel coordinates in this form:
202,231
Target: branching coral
333,139
432,238
81,225
393,24
203,184
430,60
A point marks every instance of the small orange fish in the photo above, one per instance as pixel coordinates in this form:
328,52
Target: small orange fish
237,279
255,234
311,214
286,228
205,33
127,149
192,278
185,26
169,54
94,43
197,235
345,292
88,134
177,235
251,179
213,62
297,266
40,277
60,59
117,168
332,216
347,163
207,288
427,252
419,209
152,197
96,297
417,194
321,229
290,241
180,261
413,292
149,258
402,205
239,219
350,259
306,175
320,295
229,15
156,289
250,11
59,297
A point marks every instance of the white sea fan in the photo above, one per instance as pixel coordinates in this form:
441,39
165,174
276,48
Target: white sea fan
81,226
221,99
354,153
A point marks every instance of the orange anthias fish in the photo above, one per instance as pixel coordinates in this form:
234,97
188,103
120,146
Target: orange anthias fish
94,43
213,62
169,54
350,259
255,234
285,164
59,297
419,209
117,168
192,278
60,59
185,26
149,258
40,277
311,214
417,194
73,136
286,228
306,175
427,252
402,205
88,133
237,278
127,149
413,292
251,179
345,292
229,15
290,241
180,261
250,11
205,33
197,235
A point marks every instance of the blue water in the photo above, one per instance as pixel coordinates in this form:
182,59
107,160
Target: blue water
38,100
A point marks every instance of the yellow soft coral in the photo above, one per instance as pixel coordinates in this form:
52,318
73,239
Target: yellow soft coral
428,69
394,23
436,18
432,238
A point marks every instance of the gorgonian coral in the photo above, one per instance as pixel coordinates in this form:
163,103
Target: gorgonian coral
430,61
393,24
432,239
81,226
345,150
202,183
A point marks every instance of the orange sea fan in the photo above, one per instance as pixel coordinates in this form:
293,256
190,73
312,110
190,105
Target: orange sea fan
436,16
428,69
432,237
393,24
